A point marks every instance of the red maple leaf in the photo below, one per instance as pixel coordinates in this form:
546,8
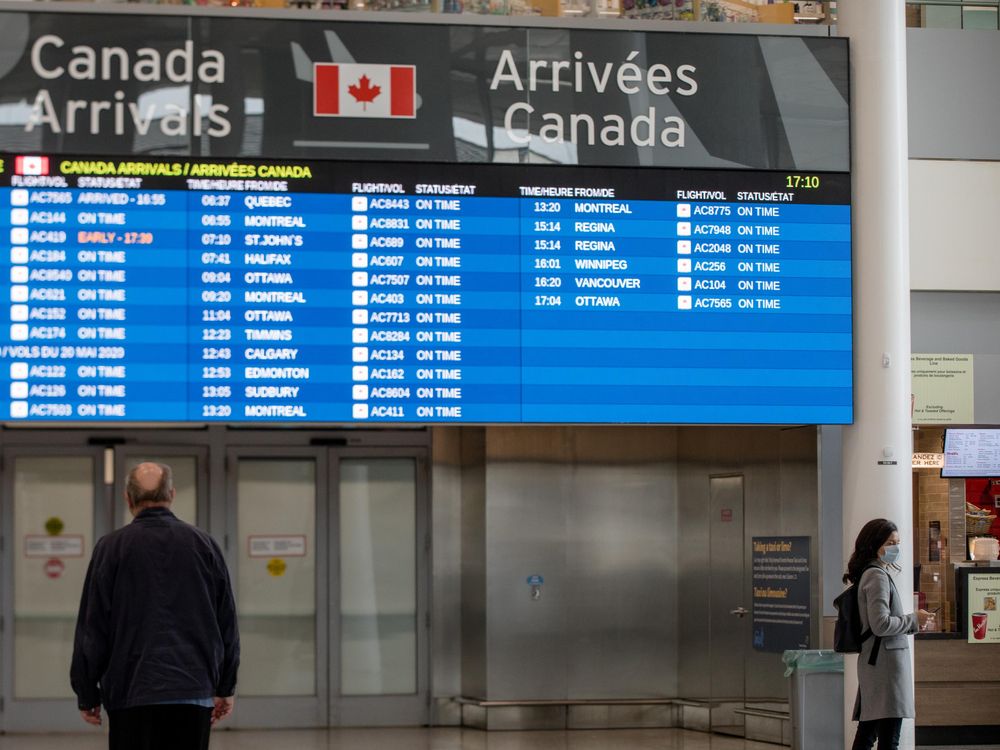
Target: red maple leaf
364,92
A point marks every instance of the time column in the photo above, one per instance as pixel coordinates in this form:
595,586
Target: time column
545,252
210,241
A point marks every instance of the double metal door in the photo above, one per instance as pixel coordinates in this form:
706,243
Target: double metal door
330,571
327,548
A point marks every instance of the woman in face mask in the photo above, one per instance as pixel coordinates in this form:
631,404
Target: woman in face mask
885,681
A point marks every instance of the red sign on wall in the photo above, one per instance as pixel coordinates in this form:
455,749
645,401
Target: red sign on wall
54,567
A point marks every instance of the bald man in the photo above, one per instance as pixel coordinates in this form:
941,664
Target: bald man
156,637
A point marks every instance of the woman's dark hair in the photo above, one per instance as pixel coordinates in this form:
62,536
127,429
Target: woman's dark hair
873,535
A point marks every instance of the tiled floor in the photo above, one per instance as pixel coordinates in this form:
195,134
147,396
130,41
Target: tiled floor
429,739
417,739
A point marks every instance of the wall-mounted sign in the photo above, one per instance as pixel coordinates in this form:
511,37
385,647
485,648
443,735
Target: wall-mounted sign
535,586
354,222
226,86
54,567
273,545
984,617
942,388
54,526
928,460
781,617
41,545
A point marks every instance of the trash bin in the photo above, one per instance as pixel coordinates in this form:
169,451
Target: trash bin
816,698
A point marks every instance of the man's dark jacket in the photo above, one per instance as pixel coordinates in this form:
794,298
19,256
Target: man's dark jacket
157,620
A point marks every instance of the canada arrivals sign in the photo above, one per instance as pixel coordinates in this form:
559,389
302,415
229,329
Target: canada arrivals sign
243,86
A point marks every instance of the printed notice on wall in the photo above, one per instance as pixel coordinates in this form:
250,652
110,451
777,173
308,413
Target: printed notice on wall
942,388
780,593
38,545
984,618
276,545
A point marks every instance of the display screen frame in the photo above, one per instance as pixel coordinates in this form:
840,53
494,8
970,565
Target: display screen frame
271,113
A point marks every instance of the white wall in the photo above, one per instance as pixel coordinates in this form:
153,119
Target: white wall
954,225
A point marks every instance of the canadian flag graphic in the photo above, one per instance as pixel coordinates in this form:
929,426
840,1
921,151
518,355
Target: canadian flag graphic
362,90
31,165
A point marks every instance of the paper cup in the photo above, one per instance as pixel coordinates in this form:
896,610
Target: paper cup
979,625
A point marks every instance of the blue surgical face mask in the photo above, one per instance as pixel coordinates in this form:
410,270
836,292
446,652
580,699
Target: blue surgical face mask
890,554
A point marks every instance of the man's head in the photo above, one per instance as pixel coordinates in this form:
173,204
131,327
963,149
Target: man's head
149,484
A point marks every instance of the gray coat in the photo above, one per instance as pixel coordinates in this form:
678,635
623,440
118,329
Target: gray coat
886,689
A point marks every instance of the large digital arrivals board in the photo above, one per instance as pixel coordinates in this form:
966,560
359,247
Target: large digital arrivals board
194,290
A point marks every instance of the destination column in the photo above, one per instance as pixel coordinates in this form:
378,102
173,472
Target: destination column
263,281
596,283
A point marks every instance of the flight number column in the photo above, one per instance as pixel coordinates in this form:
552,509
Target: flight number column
762,257
88,270
434,305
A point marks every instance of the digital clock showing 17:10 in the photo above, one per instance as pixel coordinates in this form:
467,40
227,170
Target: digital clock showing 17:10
803,181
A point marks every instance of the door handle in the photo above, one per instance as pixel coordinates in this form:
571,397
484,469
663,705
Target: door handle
739,612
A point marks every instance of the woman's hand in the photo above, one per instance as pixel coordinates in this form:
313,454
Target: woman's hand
925,619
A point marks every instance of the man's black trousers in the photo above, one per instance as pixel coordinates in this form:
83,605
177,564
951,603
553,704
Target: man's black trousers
164,727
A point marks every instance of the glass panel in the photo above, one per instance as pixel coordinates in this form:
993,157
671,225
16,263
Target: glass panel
979,17
942,17
185,468
53,532
378,582
276,587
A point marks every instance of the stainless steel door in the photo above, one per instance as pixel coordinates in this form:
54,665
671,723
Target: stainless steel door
730,605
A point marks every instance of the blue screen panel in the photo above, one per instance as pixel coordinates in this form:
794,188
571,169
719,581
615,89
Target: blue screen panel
191,290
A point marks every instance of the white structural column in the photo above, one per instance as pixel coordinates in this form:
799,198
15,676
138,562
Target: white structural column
877,447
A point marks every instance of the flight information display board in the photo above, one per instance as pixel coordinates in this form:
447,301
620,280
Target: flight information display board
194,290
